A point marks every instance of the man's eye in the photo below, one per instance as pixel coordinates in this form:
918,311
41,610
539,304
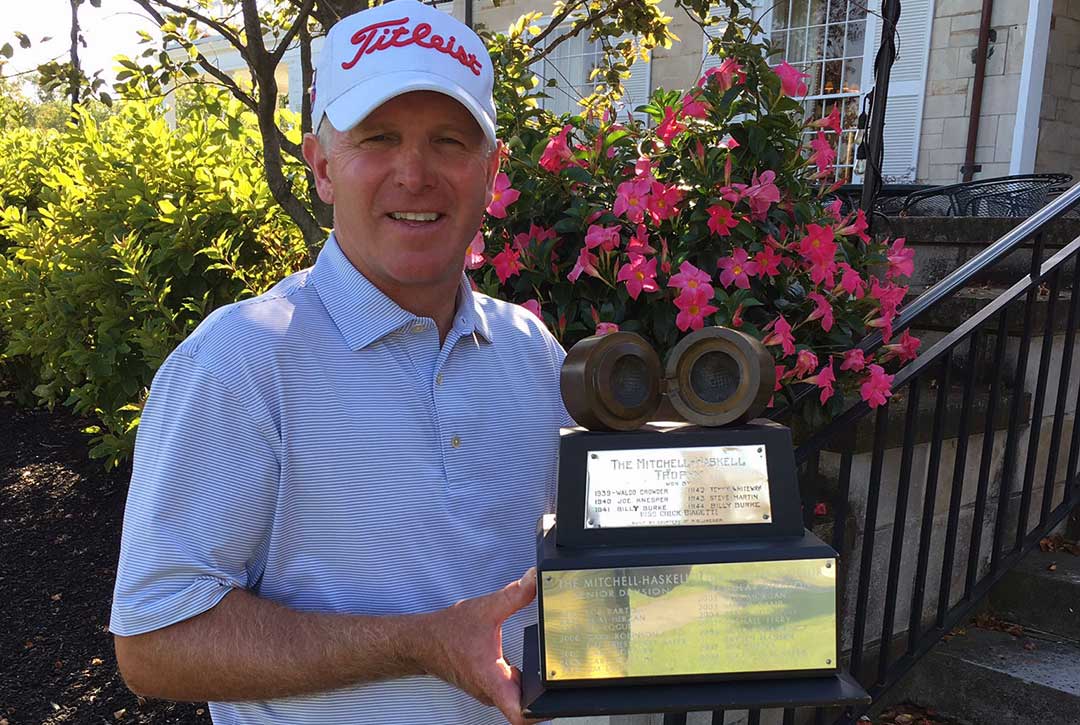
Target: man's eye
451,141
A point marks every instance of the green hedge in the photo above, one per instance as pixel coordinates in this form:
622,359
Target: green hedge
121,235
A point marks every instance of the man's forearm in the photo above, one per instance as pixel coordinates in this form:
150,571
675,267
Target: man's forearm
247,648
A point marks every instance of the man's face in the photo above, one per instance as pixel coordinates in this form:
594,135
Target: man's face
409,186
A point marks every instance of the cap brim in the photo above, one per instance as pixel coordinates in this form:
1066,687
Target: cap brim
354,105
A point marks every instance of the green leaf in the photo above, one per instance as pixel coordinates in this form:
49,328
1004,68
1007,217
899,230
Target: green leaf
6,50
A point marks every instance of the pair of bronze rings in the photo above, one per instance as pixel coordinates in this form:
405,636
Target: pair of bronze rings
715,376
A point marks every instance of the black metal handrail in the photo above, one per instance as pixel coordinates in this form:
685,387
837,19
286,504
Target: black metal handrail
875,517
956,280
963,274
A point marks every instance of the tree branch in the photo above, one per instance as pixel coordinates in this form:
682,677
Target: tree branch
203,62
220,28
556,21
301,21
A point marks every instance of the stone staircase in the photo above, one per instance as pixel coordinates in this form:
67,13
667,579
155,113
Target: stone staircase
1023,664
1025,668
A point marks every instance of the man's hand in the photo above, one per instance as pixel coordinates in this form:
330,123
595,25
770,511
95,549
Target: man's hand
466,646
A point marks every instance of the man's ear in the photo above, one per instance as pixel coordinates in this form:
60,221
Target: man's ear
318,162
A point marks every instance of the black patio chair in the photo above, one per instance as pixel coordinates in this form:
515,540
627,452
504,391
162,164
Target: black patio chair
1007,196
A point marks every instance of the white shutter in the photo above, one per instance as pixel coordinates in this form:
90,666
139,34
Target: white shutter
907,85
637,87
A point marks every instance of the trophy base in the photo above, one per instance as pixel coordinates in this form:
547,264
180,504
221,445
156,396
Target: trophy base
538,702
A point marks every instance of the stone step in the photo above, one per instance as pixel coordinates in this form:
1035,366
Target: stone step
943,244
1033,596
988,677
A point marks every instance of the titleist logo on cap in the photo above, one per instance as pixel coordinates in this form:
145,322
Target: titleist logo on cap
395,34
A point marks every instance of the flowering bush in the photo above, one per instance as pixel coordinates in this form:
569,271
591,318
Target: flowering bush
716,213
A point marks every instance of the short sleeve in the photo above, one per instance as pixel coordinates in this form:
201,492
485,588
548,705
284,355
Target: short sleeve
200,508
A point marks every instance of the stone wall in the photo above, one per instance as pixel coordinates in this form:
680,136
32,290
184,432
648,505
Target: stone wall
950,83
1059,131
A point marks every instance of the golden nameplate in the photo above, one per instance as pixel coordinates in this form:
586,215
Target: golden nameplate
700,619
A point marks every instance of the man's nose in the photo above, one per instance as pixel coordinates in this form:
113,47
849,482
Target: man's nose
416,169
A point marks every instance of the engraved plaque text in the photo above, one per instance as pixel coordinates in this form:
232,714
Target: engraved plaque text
677,487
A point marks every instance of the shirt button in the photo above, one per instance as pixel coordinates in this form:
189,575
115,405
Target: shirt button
418,327
438,379
455,442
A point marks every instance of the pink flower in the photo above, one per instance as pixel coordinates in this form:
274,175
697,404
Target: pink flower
502,196
691,278
850,281
726,75
791,80
670,127
693,307
780,335
768,262
557,155
834,208
854,360
820,509
901,261
824,155
664,202
906,348
535,235
876,387
506,263
831,122
631,199
819,251
639,274
607,238
823,311
857,227
586,262
736,319
806,362
533,306
694,108
721,220
643,168
890,296
824,380
606,328
761,193
474,253
737,268
639,243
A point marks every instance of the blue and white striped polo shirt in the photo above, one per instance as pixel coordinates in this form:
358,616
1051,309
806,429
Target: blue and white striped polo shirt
318,447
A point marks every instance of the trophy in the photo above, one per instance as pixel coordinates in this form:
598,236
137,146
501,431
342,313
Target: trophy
676,574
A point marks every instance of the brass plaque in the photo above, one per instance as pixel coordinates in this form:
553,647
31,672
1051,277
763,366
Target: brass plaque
700,486
722,618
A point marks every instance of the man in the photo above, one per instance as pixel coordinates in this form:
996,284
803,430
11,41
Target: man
336,484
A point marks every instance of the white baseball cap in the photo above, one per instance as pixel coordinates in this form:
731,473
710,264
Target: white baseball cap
402,46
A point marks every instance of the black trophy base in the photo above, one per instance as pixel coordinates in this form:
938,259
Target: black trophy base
831,690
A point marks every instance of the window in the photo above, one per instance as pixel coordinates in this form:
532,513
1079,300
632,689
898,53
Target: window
827,39
564,74
836,42
570,65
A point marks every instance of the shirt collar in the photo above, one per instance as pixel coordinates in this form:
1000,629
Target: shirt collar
363,314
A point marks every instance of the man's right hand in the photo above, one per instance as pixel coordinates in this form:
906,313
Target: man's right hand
465,646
